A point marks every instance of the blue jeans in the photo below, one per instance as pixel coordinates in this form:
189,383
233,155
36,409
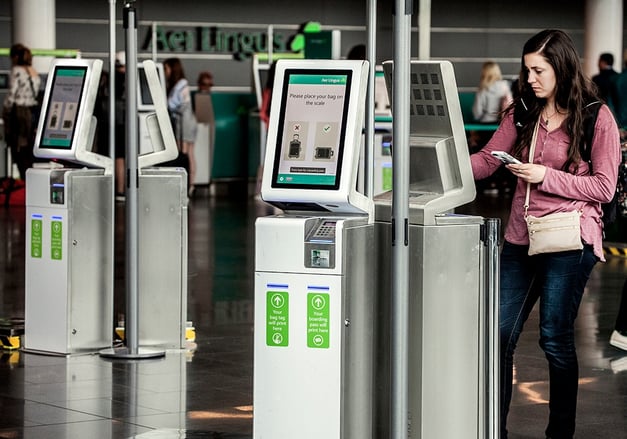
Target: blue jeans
558,280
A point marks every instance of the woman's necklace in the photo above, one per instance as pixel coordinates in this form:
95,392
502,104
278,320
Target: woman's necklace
548,118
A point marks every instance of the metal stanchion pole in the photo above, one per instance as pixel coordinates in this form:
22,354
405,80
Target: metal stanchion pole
400,220
131,328
112,44
369,136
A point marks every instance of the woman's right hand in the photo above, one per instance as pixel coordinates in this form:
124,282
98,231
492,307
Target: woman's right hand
529,172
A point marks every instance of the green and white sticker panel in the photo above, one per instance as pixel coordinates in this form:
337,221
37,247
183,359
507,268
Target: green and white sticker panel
317,315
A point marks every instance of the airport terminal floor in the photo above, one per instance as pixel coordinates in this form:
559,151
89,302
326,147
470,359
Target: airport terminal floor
207,392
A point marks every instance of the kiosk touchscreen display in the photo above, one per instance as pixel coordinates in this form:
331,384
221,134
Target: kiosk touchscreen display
311,131
144,96
144,90
62,112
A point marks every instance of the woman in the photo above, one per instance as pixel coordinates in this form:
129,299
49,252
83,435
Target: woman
181,113
493,95
555,91
20,108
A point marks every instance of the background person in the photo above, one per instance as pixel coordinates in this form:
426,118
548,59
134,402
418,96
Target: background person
20,110
205,116
604,77
555,90
617,97
205,81
493,95
181,113
358,51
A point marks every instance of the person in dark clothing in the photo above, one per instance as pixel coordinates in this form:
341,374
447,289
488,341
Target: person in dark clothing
19,111
605,75
617,98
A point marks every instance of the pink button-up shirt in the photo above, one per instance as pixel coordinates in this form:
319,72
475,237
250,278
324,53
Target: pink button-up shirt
560,191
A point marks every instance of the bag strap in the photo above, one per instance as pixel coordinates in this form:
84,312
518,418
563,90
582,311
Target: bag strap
532,149
32,87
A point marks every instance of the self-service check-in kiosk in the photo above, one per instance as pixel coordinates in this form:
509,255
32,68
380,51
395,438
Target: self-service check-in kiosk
69,215
69,232
314,263
451,314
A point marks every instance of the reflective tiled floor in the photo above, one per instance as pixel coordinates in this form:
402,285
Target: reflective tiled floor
207,393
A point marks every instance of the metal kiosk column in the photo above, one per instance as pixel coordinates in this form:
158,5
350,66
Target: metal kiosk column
314,263
452,352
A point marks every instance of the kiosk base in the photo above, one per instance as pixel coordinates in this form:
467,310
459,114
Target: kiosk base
314,294
447,331
69,261
129,354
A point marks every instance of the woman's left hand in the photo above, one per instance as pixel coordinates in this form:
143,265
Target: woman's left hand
528,172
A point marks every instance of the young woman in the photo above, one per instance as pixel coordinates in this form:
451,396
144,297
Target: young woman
181,113
554,91
493,94
19,114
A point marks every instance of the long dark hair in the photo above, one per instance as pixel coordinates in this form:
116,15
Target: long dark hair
176,72
21,55
574,90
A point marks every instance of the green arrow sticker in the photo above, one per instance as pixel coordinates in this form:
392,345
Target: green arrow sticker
36,226
277,318
318,331
56,240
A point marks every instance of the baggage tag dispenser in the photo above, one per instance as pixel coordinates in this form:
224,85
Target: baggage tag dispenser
314,263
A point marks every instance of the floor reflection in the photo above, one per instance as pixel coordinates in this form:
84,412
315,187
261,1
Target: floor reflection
206,392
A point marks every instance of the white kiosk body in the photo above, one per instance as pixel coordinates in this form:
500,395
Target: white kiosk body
314,264
69,269
69,221
451,378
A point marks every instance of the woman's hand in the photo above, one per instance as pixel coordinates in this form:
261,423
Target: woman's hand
528,172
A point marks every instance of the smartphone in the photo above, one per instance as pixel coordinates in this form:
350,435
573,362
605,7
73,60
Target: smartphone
506,158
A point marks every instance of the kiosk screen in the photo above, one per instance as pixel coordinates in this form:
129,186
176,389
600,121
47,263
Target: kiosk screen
145,101
144,90
62,112
312,127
